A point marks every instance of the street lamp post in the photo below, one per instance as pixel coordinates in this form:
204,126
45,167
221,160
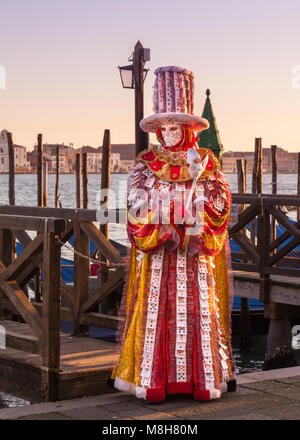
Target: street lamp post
133,77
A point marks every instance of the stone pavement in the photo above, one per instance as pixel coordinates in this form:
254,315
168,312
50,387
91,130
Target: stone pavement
265,395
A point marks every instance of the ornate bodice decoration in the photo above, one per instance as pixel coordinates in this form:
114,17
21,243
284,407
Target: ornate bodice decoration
172,166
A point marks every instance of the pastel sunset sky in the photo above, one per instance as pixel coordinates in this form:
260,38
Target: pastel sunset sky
61,59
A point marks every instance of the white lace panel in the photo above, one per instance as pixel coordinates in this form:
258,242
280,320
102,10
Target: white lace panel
181,316
205,321
151,323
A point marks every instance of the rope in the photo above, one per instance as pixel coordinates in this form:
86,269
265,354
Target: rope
93,260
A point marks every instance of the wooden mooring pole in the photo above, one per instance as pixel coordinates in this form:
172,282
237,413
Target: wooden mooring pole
11,183
255,178
274,188
45,184
7,241
245,330
85,194
11,161
105,175
40,160
78,181
40,192
105,186
56,195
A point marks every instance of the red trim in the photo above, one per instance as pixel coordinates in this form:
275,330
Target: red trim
180,387
156,394
157,165
210,165
201,394
174,172
148,156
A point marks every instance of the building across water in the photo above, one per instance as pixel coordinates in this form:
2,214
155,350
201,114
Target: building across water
286,162
22,165
123,156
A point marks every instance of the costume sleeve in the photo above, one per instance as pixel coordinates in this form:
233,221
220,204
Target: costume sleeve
144,229
217,203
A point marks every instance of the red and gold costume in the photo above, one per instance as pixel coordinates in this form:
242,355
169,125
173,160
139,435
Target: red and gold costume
176,336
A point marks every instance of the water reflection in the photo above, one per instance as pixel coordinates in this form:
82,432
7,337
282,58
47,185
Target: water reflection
252,360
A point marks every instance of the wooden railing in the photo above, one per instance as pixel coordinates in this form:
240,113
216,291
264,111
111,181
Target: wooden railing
263,254
53,227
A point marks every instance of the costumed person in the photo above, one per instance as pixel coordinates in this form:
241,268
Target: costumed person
176,333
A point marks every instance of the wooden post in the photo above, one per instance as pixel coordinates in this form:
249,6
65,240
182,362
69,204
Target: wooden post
105,176
40,170
105,185
11,188
141,138
85,198
245,341
81,273
6,253
11,159
51,317
255,166
255,173
56,196
274,188
298,186
260,168
78,181
45,183
40,181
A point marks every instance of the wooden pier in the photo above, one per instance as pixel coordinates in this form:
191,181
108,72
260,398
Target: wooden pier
277,272
48,364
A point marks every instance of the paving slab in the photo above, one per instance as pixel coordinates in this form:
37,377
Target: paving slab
291,392
267,395
270,374
294,380
264,385
121,407
43,408
250,402
286,412
152,415
48,416
90,413
175,401
249,416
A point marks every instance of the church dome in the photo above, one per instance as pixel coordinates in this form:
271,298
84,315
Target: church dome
4,133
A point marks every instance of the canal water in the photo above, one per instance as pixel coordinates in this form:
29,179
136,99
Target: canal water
26,195
26,192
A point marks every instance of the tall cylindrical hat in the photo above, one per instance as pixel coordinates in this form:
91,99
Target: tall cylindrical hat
173,100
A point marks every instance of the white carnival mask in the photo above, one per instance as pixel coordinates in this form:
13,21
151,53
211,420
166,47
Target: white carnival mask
171,134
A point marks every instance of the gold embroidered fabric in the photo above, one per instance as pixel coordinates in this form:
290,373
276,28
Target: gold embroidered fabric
166,172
